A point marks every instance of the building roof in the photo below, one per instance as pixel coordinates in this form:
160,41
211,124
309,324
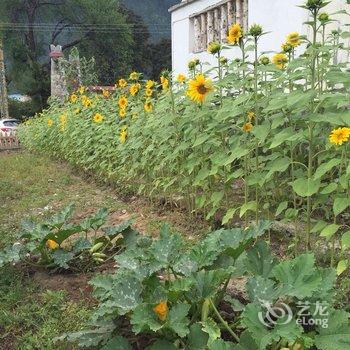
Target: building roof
181,4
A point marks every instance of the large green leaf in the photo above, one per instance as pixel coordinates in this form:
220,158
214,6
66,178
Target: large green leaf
220,344
298,277
337,335
162,345
340,204
262,335
144,318
305,187
197,339
177,319
325,167
117,343
246,342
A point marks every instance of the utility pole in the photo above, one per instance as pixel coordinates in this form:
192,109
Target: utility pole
4,107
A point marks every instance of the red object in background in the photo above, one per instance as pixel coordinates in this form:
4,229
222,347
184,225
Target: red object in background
5,129
56,54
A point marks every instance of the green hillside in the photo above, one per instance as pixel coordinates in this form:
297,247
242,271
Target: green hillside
155,14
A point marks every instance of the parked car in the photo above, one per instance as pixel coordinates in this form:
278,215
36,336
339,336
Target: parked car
8,127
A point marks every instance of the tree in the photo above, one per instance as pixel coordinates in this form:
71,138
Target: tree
99,29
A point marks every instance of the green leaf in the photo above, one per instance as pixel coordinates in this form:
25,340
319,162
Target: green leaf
162,345
298,277
210,327
263,336
220,344
61,258
305,187
329,230
329,188
246,207
144,319
281,137
337,335
325,167
340,204
260,288
197,339
261,131
259,260
345,241
117,343
277,165
177,319
216,197
342,266
229,215
246,342
281,207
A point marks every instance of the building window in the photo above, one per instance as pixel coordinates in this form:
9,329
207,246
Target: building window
213,23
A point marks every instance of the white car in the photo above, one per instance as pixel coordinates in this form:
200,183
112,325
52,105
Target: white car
8,127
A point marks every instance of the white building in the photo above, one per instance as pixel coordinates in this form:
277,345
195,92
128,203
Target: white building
195,23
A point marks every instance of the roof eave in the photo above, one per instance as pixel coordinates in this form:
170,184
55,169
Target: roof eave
181,4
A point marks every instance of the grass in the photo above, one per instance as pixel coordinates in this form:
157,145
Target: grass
32,312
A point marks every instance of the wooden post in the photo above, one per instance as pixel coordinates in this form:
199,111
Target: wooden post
239,11
3,88
210,26
217,30
204,33
230,14
224,26
197,34
245,15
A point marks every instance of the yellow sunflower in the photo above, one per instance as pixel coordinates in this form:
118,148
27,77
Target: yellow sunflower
122,83
235,33
280,60
123,102
98,118
122,113
293,39
73,98
86,101
134,89
123,134
150,84
51,244
247,127
49,122
106,93
198,88
149,92
339,136
148,106
251,115
134,76
81,90
161,310
165,82
181,78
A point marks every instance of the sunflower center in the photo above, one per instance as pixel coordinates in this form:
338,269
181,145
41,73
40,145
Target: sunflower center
202,89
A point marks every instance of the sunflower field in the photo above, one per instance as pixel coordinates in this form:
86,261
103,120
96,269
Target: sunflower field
263,138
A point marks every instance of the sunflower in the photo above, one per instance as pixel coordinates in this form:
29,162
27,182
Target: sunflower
106,93
214,47
122,83
49,122
247,127
235,33
73,98
122,113
198,88
123,134
150,84
148,106
134,89
251,115
122,102
293,39
339,136
51,244
149,92
181,78
86,101
81,90
134,76
286,47
63,122
280,60
165,83
161,310
98,118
